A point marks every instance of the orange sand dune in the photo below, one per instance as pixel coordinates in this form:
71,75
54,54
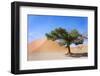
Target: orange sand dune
33,46
49,45
44,49
44,45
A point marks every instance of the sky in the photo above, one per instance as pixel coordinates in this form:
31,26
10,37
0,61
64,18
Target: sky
38,25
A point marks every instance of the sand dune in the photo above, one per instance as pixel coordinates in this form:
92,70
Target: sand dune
47,49
49,45
45,45
33,46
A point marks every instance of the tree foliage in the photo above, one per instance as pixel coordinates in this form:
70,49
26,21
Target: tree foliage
66,38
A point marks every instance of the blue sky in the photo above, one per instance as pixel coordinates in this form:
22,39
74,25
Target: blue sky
38,25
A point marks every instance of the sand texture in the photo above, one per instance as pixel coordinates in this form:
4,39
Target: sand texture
44,49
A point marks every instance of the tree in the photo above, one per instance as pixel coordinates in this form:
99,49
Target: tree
65,38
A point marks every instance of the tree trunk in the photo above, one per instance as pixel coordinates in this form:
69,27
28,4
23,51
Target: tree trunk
69,51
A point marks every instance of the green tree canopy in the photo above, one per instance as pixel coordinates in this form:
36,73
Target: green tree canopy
65,37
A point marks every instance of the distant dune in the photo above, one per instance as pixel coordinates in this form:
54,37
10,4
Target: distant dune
49,49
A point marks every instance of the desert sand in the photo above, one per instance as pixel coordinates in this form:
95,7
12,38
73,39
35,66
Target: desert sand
44,49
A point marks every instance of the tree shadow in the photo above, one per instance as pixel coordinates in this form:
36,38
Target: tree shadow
78,55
